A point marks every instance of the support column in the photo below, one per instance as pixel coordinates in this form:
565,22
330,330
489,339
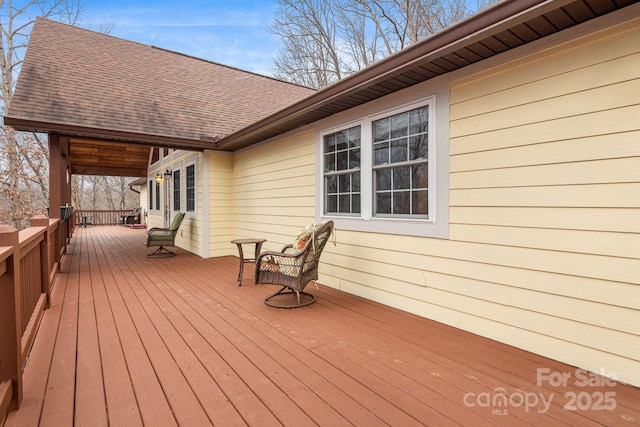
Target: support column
55,176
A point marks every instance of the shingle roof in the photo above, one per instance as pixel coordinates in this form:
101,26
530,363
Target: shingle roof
81,79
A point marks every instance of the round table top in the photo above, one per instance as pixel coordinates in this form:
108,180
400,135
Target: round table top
246,241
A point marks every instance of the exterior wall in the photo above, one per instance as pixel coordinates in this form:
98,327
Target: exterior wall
273,189
220,204
144,203
545,198
191,235
544,244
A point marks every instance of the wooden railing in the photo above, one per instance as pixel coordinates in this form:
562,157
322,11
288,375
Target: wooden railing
29,261
84,217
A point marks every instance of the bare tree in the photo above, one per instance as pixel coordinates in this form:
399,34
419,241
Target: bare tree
323,41
24,164
103,192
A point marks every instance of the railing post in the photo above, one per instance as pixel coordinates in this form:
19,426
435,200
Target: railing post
45,258
10,327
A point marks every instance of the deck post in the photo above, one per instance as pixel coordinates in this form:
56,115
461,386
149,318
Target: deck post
10,327
45,263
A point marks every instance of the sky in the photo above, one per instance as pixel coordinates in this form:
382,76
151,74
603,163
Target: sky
231,32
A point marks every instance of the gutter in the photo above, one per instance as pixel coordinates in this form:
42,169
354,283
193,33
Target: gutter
505,14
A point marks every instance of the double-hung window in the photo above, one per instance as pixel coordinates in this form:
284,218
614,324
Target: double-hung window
157,196
190,187
342,171
400,164
378,173
176,190
150,191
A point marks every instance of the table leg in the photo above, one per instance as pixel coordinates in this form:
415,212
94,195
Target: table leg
241,264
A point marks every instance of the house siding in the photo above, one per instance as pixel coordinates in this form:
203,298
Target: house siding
220,203
144,203
273,189
545,191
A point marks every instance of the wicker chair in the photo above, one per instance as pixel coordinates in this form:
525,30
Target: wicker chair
162,237
293,268
131,218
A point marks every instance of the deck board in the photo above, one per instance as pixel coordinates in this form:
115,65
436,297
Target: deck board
131,341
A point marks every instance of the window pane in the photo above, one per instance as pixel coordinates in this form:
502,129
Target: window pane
331,204
341,140
402,202
381,130
381,153
383,179
344,183
345,203
399,125
418,120
355,182
399,150
420,176
330,143
401,178
420,202
330,162
355,203
342,160
383,203
354,137
354,158
418,147
332,184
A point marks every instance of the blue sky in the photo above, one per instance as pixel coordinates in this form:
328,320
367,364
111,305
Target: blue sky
231,32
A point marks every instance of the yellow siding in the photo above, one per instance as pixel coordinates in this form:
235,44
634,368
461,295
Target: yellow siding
545,193
221,204
144,202
273,189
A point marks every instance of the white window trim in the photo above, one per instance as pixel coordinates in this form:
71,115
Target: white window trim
437,225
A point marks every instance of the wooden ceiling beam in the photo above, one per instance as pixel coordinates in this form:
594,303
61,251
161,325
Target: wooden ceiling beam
108,171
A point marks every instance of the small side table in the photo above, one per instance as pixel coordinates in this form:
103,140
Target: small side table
243,260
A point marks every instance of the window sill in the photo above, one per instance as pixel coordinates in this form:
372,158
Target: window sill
404,227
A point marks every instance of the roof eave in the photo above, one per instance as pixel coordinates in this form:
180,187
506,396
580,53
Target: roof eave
107,134
502,15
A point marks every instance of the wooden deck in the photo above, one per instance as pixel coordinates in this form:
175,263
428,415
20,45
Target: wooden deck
135,341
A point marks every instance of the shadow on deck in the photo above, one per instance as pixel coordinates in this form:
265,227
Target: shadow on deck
135,341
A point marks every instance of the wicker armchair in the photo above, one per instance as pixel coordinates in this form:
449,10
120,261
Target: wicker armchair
293,268
131,218
162,237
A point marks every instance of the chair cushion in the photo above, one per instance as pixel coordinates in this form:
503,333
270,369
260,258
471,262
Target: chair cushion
161,236
305,235
176,221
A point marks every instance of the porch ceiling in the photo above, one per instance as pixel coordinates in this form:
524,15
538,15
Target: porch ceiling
96,157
